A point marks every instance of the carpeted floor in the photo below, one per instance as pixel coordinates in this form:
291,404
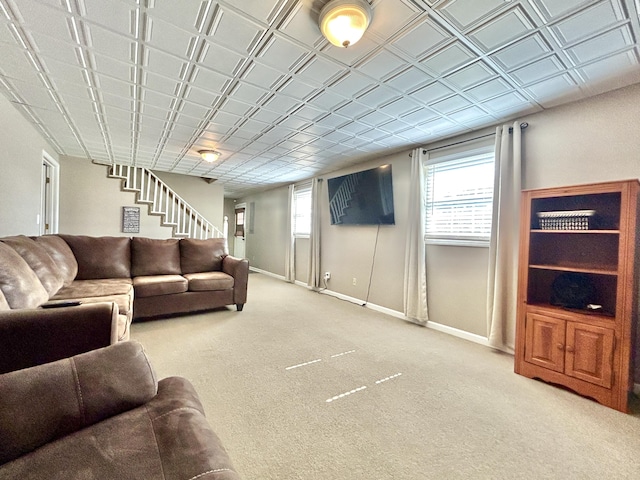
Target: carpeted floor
305,386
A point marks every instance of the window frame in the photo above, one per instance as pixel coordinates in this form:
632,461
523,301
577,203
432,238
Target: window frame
483,149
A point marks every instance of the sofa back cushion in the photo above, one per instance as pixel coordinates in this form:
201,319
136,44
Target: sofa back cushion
19,284
202,255
150,256
43,403
61,255
100,257
39,260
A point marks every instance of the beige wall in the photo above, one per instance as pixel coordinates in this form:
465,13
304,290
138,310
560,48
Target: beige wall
265,247
21,148
91,203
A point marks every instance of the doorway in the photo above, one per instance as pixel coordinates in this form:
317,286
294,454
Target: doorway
49,195
240,221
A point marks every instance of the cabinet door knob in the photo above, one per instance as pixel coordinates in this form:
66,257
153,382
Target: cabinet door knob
569,349
560,346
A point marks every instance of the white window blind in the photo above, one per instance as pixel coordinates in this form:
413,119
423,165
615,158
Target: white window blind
459,198
302,210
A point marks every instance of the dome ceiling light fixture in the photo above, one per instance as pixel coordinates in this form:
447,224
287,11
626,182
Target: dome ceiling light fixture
209,156
343,22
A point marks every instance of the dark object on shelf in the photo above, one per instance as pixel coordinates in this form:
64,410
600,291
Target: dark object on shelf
567,220
572,290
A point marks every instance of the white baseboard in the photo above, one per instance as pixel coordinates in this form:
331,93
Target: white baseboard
264,272
472,337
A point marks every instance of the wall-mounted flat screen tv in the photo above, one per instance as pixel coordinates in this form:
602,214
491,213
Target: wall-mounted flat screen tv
362,198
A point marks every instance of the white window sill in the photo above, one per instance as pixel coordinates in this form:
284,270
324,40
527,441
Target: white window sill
458,242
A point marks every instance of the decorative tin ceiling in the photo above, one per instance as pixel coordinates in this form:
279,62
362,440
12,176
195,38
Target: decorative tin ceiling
151,82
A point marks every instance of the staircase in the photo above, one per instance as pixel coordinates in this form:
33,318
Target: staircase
341,200
164,202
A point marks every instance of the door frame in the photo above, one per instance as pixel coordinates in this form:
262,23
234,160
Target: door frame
49,196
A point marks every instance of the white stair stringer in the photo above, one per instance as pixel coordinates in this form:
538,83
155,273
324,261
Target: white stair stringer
161,200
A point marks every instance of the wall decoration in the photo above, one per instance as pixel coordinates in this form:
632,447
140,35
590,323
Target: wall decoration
131,219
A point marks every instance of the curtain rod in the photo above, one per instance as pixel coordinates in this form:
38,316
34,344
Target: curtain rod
523,125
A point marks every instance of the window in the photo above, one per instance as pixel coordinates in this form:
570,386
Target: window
302,211
459,197
239,222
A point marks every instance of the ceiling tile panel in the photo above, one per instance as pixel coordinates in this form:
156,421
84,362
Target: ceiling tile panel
553,88
451,104
327,100
167,37
40,16
221,59
472,75
522,52
296,89
391,16
504,102
490,89
537,70
409,79
210,81
448,59
262,75
377,96
602,45
114,15
502,30
432,93
282,54
235,32
201,96
553,8
625,64
183,15
464,13
353,110
381,64
164,64
424,38
592,20
352,85
249,94
302,26
319,71
399,107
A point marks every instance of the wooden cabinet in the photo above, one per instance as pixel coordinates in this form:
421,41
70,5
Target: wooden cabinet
577,289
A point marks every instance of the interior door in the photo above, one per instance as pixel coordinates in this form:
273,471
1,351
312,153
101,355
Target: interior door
239,246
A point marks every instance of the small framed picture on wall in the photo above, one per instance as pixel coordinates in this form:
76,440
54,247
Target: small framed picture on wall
130,219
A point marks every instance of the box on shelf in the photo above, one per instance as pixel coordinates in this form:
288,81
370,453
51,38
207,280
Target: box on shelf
567,220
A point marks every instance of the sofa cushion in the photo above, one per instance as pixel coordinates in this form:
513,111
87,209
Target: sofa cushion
100,257
62,256
201,282
43,403
39,260
19,284
202,255
152,286
150,256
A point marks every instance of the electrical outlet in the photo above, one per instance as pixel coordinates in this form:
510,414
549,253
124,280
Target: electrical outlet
355,282
327,275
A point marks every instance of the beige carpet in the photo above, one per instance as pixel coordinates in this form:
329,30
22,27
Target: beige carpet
305,386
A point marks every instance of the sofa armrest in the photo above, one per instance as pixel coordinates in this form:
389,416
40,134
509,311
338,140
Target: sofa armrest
238,268
30,337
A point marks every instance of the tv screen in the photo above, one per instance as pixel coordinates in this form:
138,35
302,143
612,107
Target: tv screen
362,198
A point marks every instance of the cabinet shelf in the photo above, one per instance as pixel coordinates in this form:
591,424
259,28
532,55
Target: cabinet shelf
576,269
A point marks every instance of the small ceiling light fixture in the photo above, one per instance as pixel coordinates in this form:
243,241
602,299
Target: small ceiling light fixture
209,155
343,22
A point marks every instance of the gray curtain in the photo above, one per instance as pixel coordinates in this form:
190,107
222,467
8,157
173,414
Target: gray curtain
503,249
314,278
415,268
289,255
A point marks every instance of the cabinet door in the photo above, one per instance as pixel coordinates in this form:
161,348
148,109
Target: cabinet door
544,341
589,353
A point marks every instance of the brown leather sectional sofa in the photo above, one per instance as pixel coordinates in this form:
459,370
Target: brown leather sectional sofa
136,277
104,415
